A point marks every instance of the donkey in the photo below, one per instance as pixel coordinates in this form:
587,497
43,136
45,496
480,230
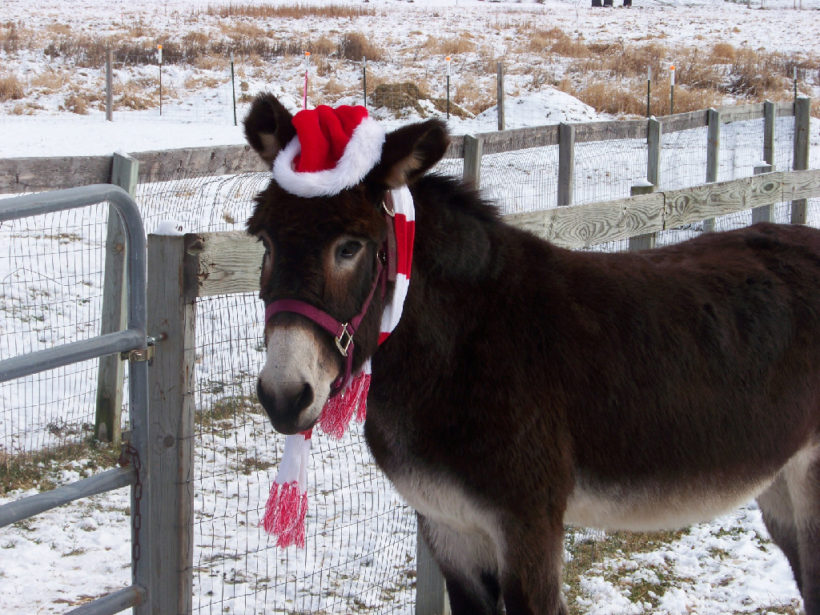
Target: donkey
527,386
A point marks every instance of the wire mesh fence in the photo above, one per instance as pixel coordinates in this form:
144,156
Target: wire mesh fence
521,181
50,294
606,170
360,553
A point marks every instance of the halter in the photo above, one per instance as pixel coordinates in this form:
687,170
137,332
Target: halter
343,332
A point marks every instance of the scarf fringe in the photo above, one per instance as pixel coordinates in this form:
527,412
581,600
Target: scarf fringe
339,410
285,514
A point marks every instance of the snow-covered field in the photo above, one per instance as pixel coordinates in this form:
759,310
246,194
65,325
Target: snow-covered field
362,549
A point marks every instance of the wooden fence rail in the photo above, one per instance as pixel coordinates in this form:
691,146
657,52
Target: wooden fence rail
229,262
38,174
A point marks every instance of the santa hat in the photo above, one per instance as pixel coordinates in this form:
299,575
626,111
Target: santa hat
334,149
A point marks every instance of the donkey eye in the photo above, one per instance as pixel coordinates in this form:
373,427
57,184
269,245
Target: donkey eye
349,249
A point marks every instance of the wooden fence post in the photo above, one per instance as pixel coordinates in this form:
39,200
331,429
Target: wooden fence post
802,113
653,173
431,591
472,161
171,320
566,163
712,156
769,115
107,422
764,213
500,96
647,240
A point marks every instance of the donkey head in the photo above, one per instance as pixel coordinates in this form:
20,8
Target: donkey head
323,248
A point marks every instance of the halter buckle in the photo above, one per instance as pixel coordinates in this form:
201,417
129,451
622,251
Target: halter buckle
344,340
388,209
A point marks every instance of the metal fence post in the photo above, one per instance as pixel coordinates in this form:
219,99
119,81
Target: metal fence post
712,156
500,96
566,163
108,422
802,113
109,87
172,321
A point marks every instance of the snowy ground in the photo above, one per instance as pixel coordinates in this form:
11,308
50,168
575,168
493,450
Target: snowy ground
64,557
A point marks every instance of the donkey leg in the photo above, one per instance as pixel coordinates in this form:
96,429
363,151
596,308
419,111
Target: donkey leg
533,561
469,565
803,479
778,515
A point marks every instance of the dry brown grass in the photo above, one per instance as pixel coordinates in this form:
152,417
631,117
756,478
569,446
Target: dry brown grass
50,80
355,46
610,76
11,88
12,36
722,53
333,89
758,75
451,46
290,11
622,100
567,47
473,96
76,103
692,71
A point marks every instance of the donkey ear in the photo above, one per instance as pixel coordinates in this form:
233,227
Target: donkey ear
268,126
409,152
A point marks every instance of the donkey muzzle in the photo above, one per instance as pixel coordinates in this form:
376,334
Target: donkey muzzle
285,406
296,380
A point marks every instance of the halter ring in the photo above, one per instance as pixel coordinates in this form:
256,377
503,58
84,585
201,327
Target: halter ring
344,340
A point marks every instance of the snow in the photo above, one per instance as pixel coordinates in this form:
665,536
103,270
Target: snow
82,550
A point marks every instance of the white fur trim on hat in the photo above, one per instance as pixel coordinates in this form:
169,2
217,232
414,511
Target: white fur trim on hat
363,152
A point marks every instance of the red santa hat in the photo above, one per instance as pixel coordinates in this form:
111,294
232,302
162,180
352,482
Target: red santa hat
333,149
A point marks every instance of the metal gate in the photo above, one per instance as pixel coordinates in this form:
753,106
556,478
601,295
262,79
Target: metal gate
132,343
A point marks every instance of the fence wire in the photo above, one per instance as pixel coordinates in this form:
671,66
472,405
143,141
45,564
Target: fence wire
360,544
606,170
50,294
524,180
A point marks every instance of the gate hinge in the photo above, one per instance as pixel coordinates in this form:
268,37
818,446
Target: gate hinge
140,354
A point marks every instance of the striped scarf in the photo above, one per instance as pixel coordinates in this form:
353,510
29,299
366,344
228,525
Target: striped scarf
287,504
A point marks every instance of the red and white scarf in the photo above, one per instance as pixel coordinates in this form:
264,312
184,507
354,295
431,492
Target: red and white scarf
287,504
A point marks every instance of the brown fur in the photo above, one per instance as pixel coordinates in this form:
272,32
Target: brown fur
526,383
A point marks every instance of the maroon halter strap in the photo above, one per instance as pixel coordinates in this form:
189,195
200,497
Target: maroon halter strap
342,332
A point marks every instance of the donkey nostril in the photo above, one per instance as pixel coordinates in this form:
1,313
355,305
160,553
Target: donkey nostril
304,399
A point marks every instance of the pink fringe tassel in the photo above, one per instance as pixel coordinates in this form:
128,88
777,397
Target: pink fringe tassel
339,410
285,514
